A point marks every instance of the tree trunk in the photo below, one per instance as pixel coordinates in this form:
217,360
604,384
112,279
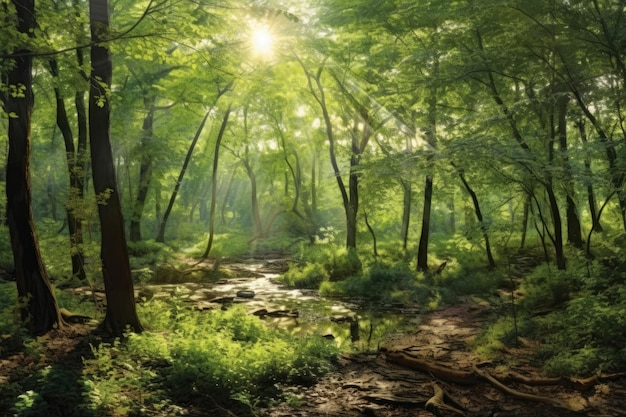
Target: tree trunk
145,168
116,272
422,250
526,209
161,234
479,216
74,160
216,155
40,312
591,197
574,233
406,212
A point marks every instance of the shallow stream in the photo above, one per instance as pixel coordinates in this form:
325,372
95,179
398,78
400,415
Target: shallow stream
299,311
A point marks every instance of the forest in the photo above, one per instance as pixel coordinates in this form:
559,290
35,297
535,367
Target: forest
312,208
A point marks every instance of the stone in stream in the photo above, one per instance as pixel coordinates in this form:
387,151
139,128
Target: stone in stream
245,294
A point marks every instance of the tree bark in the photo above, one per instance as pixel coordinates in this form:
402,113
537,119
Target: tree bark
40,312
216,155
161,234
591,196
406,212
574,233
422,249
479,216
74,160
145,168
121,312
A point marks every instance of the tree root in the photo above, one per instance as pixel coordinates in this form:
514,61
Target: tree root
475,376
521,395
433,368
437,406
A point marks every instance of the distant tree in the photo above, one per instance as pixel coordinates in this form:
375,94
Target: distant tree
121,311
40,312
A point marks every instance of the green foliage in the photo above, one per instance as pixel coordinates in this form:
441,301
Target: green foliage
339,262
381,284
307,276
583,331
547,287
228,357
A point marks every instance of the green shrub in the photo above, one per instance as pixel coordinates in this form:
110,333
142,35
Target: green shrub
308,276
228,358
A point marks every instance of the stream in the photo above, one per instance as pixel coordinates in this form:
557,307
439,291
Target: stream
298,311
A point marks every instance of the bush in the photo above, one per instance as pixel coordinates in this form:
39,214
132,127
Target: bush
227,358
309,276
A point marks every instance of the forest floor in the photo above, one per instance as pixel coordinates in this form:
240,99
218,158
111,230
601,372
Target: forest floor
373,385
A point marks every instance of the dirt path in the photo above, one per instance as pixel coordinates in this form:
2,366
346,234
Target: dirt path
369,385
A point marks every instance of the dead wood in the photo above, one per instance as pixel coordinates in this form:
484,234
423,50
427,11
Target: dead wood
437,406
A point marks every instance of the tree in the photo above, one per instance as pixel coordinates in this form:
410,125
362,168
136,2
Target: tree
120,296
40,312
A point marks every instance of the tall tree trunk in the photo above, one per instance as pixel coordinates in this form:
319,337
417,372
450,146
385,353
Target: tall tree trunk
145,168
422,249
544,178
574,233
479,216
161,234
40,312
319,95
431,137
216,155
526,209
254,199
73,157
406,212
120,297
557,239
596,226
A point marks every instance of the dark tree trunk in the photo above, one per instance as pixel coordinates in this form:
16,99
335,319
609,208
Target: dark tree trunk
216,155
574,233
319,94
371,230
406,212
75,172
422,250
145,169
557,239
479,216
40,312
179,181
591,197
121,311
525,220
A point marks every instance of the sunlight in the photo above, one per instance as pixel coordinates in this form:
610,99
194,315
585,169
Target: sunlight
262,41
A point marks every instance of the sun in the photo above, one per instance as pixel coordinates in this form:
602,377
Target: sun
262,41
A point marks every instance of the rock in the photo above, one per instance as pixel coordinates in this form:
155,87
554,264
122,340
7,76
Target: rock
245,294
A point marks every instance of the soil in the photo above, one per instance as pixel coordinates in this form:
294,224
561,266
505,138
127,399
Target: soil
370,385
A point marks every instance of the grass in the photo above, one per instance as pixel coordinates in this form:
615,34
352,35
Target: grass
186,359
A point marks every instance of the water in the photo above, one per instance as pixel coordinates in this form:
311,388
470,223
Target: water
298,311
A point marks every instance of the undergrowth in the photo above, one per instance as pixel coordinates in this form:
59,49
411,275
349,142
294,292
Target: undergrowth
578,316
